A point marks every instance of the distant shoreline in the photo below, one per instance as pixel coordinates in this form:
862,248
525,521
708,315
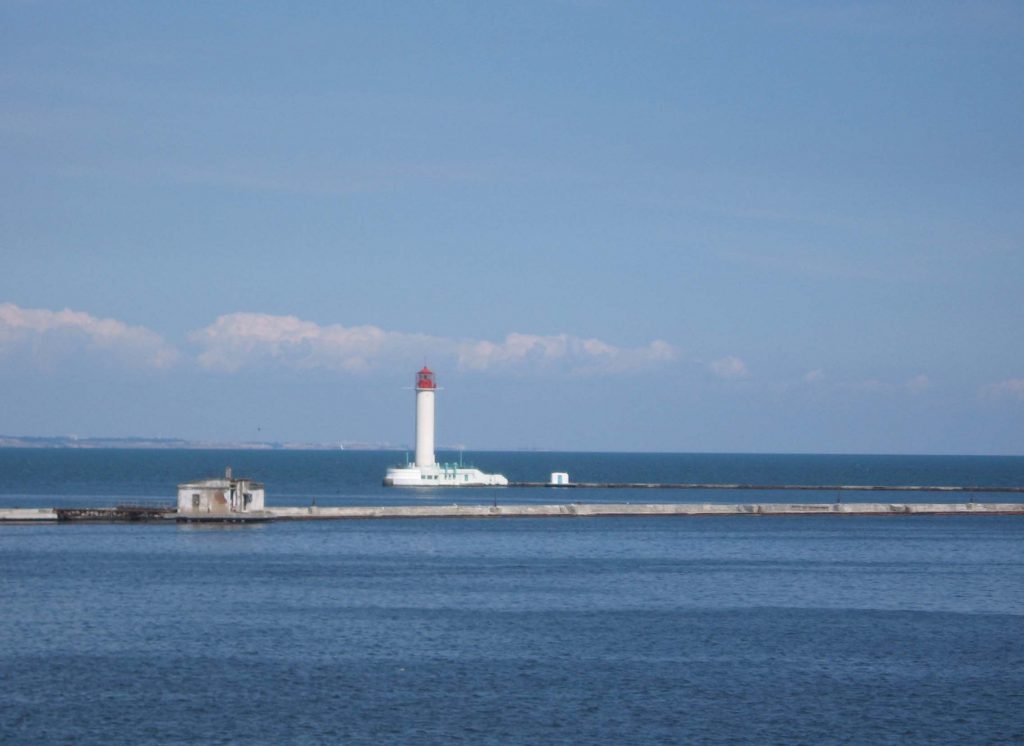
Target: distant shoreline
71,442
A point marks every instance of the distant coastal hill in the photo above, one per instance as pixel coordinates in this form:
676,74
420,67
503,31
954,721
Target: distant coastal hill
71,441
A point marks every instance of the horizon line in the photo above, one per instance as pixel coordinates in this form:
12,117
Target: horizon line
142,443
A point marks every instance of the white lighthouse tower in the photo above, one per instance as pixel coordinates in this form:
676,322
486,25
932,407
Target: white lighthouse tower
425,471
425,388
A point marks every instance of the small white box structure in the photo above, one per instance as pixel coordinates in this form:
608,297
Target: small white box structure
220,496
559,477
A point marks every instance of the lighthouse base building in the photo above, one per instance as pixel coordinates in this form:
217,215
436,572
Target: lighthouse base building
425,471
441,475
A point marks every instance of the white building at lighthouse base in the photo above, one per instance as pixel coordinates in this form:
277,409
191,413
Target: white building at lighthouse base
441,475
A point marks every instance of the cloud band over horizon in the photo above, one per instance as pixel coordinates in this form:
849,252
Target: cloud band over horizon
234,341
239,339
44,337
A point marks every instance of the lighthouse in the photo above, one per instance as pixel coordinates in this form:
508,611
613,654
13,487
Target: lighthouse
425,388
424,471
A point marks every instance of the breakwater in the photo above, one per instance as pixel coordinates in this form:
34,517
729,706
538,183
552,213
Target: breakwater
563,510
568,510
769,487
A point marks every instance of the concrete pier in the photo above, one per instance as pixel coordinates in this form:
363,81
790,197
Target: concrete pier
643,509
27,515
768,487
567,510
119,514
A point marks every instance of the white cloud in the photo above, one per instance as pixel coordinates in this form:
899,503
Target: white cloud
43,337
728,367
1012,388
918,384
517,348
814,376
579,355
238,340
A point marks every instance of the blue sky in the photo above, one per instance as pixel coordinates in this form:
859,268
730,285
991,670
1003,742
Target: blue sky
608,226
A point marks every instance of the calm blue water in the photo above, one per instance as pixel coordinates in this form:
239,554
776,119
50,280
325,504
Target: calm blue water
30,477
621,630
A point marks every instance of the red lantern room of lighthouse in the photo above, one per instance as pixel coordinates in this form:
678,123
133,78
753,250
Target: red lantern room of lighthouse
425,388
425,379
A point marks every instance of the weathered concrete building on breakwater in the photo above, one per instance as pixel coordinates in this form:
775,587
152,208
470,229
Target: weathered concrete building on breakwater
220,496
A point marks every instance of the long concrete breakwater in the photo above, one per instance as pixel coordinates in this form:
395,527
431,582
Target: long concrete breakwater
568,510
769,487
564,510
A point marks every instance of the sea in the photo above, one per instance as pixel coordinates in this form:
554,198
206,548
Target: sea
726,629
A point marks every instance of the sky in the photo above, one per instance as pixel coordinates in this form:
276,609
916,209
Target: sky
714,227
